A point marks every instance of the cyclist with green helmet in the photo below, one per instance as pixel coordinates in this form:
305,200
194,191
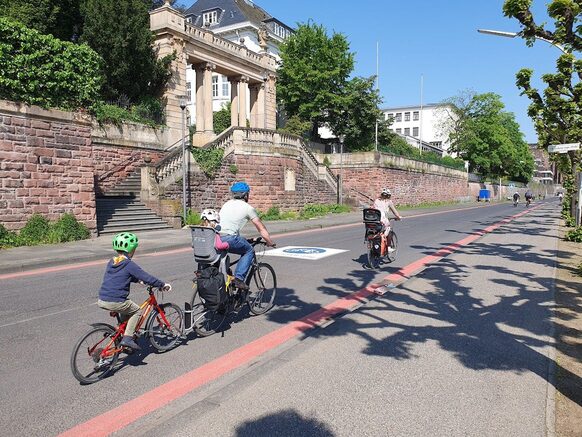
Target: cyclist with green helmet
120,273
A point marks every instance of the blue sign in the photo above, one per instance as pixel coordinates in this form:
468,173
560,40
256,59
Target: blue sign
305,250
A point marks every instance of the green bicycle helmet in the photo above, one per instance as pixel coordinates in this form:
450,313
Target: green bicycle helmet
126,242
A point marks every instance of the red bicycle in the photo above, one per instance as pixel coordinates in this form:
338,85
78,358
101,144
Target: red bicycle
96,353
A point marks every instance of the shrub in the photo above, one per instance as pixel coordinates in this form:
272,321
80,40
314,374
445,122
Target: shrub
273,213
150,112
316,210
569,221
574,235
42,70
209,160
233,168
67,228
35,231
192,218
8,238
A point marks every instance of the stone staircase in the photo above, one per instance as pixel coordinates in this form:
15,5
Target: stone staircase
120,209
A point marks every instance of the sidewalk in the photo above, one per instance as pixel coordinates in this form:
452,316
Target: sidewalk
34,257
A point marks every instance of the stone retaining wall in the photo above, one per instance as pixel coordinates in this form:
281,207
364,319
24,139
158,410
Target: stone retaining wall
46,165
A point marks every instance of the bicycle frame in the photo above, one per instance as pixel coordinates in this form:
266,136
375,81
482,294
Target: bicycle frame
146,309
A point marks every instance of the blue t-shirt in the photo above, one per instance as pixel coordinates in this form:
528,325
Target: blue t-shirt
120,273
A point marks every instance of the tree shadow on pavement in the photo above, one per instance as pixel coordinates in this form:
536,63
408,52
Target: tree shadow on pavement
284,423
482,328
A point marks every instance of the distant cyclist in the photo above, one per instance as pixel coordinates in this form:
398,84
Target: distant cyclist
385,204
515,198
528,197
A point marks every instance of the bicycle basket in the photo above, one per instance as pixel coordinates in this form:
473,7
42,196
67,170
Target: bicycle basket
372,215
203,245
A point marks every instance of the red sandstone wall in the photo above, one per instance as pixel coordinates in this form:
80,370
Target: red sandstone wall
408,187
45,167
265,175
115,163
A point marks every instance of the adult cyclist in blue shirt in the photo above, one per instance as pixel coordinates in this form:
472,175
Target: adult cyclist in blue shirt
234,215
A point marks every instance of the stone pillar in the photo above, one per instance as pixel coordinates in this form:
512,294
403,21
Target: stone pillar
242,101
165,43
233,100
253,96
271,102
208,112
199,98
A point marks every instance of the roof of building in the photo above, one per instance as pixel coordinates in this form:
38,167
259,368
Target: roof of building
424,106
231,12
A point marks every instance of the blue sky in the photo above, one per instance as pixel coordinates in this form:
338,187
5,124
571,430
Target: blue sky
437,39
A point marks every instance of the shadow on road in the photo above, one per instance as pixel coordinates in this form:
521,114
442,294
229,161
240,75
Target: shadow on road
284,423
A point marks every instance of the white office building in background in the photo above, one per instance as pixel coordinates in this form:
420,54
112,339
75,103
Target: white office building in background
431,124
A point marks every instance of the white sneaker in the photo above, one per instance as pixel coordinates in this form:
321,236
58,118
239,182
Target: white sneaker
391,250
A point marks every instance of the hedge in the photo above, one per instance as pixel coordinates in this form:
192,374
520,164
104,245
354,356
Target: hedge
42,70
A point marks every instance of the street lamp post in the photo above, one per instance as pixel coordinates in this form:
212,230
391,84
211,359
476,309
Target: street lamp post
183,105
341,181
514,34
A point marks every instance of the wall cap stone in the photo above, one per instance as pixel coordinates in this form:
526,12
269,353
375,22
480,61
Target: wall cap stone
20,109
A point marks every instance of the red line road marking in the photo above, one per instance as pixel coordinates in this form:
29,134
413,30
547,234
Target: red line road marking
127,413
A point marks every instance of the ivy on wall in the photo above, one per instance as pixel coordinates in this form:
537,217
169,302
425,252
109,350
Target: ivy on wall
209,160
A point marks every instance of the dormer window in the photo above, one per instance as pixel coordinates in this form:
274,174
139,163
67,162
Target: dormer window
210,18
280,31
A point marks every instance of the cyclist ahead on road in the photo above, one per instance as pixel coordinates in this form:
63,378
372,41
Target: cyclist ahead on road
234,215
385,204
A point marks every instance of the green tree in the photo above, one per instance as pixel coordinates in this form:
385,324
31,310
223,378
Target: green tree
356,114
119,32
557,111
313,74
296,126
488,137
221,119
60,18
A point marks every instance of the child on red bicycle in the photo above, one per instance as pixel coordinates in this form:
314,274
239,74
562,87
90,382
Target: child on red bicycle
120,273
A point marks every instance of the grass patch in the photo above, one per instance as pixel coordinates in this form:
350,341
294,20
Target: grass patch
428,205
307,212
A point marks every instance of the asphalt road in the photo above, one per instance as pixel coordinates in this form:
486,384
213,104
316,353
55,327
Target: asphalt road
43,316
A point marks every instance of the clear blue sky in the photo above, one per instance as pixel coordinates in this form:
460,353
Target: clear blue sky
434,38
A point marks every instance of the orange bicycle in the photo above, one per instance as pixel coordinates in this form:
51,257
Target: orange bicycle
96,353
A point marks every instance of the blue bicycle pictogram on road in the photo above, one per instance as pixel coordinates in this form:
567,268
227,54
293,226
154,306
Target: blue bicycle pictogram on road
305,250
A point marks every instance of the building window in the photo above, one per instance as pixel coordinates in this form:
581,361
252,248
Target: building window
280,31
438,144
407,116
214,86
406,131
209,18
415,116
398,130
225,86
414,131
189,91
398,116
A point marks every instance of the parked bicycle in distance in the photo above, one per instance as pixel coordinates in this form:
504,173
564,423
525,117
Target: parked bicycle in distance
380,248
259,298
97,352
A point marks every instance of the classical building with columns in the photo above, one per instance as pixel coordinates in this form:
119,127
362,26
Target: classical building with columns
251,76
241,22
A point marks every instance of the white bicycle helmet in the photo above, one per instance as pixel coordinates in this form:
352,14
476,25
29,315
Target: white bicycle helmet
386,192
211,215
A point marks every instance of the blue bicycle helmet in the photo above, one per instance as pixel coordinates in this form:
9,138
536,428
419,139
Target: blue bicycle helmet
240,187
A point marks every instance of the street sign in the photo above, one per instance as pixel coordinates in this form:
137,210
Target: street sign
563,148
302,252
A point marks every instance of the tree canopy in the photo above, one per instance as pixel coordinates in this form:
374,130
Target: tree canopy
488,137
313,74
557,110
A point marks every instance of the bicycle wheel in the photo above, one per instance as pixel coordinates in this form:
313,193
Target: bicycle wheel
206,322
394,246
164,336
262,289
373,257
95,355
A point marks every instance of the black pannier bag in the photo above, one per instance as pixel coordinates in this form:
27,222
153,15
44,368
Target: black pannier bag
211,287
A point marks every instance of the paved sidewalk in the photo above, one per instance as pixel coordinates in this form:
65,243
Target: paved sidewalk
33,257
